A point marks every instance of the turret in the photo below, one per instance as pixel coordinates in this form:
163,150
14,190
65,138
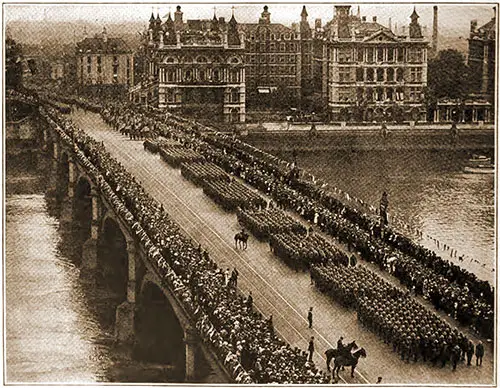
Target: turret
178,17
233,37
415,29
265,16
305,29
342,16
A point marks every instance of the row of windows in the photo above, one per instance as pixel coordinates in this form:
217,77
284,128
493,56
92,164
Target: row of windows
99,59
201,59
201,75
272,46
379,94
370,74
377,55
292,70
269,36
273,58
175,96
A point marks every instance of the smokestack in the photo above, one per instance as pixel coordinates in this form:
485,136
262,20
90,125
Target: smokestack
390,24
434,47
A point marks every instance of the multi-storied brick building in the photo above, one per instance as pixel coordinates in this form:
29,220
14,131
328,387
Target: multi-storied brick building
369,73
103,60
362,70
277,56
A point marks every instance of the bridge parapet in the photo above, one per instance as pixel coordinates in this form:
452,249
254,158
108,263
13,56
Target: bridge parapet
139,247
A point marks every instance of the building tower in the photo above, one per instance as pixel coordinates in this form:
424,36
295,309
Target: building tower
415,29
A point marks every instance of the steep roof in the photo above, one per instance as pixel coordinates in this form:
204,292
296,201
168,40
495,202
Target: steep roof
98,45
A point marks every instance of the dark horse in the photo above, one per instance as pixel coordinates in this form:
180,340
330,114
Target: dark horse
241,239
333,353
348,360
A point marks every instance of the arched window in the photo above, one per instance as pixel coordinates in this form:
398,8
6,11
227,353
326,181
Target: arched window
188,75
235,76
216,75
170,60
202,75
390,74
400,73
171,76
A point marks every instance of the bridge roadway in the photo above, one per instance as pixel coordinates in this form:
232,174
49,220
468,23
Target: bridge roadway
276,289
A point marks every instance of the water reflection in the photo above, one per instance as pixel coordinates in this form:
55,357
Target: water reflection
59,329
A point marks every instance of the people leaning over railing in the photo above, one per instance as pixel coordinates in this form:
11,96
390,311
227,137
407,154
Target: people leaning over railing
241,337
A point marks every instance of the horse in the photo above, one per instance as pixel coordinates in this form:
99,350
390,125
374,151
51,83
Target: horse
240,240
332,353
348,360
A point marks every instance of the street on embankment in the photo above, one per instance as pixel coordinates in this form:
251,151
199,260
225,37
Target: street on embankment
277,290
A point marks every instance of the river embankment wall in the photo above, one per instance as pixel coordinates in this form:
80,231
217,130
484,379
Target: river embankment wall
366,140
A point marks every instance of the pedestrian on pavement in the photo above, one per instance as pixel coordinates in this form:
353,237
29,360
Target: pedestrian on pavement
455,356
310,317
470,352
379,380
249,302
479,353
310,348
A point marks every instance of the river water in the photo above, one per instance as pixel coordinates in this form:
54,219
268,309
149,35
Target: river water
59,328
427,190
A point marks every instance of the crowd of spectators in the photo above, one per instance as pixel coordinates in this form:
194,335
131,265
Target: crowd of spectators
243,339
447,286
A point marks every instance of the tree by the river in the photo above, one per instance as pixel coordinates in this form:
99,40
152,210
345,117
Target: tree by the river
448,75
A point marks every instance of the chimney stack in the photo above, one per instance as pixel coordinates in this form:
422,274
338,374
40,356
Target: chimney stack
375,19
434,47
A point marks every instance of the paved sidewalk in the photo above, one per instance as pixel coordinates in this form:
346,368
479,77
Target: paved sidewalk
276,289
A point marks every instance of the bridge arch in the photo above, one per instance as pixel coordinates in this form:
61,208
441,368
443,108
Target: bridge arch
160,334
112,255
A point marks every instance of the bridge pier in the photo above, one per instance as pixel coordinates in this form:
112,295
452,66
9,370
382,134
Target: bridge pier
125,312
191,343
89,250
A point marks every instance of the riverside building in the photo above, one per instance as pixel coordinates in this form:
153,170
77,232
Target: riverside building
104,61
371,73
194,64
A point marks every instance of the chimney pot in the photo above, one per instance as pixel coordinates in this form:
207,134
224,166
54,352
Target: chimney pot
375,19
363,18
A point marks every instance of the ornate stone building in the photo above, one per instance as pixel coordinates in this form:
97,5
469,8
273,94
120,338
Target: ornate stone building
370,73
102,60
195,64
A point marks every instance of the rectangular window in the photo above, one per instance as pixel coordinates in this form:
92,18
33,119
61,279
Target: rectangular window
282,47
415,74
415,55
262,47
272,46
390,55
414,94
361,54
272,58
380,54
344,75
369,55
344,55
360,74
401,54
89,59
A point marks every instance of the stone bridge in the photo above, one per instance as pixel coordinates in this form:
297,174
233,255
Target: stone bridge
151,316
